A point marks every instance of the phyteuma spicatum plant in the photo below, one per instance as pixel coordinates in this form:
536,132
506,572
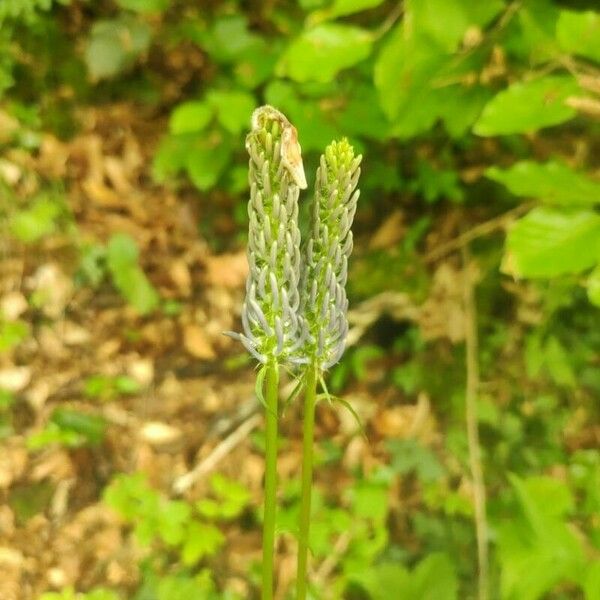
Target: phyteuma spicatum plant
272,330
323,302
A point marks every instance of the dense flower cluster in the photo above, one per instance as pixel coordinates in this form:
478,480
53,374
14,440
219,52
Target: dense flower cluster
270,312
323,298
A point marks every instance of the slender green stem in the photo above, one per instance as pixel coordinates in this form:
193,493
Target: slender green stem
272,384
310,393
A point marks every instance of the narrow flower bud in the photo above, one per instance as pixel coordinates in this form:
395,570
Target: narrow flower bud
323,295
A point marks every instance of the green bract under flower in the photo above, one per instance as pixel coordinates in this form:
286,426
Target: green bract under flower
323,297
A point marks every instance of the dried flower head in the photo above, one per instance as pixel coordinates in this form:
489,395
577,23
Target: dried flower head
269,315
323,288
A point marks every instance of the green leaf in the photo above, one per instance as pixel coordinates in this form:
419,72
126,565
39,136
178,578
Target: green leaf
593,286
551,182
201,540
206,162
307,115
114,45
591,581
124,493
403,74
144,6
91,427
447,22
536,547
12,333
410,76
348,7
233,495
35,222
535,39
557,363
549,242
173,518
129,279
229,39
528,106
234,109
190,117
579,33
319,54
433,578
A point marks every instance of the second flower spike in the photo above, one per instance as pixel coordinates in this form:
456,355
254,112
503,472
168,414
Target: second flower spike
323,288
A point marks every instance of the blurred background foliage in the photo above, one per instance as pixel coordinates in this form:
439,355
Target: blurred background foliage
479,126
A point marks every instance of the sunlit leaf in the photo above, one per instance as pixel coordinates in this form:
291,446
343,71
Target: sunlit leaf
190,116
447,22
348,7
233,109
528,106
35,222
549,242
579,33
536,546
551,182
319,54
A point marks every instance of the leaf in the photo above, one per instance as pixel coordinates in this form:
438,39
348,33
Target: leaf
410,75
129,279
537,549
528,106
447,22
319,54
536,39
549,242
233,108
144,6
91,427
202,540
190,117
206,161
551,182
593,286
114,45
579,33
173,518
434,578
348,7
35,222
403,72
591,581
306,114
12,333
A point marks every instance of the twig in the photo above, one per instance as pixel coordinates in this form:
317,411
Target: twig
332,559
390,21
183,483
471,391
480,230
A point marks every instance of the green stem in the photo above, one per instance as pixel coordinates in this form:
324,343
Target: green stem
272,384
307,469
